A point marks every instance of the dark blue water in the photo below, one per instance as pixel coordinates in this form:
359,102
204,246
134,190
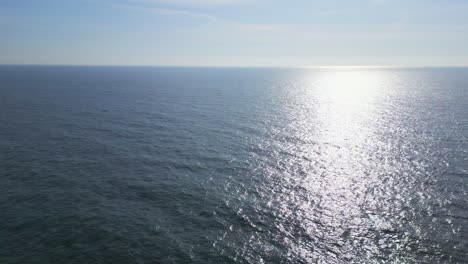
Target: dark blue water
204,165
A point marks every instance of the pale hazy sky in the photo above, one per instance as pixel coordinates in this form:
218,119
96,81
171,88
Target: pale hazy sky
235,32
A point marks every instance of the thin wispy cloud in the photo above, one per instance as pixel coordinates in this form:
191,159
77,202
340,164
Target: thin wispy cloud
169,11
229,24
192,3
138,5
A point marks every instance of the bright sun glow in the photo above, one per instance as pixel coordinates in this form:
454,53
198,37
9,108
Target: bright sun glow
349,88
349,100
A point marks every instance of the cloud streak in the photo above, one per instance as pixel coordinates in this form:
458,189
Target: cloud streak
250,27
192,3
170,12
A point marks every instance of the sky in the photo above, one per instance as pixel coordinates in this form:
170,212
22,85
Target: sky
265,33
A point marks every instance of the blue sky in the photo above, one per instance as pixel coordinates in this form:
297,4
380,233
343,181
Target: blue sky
295,33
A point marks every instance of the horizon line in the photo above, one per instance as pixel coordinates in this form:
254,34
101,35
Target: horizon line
243,66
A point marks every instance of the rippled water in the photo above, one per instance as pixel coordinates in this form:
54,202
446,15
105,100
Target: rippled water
202,165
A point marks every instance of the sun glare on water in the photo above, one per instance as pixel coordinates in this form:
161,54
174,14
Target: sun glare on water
338,130
349,88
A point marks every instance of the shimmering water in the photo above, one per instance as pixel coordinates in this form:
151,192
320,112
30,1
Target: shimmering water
202,165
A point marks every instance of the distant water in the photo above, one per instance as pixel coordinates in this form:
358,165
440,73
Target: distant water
204,165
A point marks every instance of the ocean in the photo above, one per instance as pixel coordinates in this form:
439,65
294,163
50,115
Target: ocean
233,165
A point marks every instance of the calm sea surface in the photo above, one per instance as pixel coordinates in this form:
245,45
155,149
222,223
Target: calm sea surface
206,165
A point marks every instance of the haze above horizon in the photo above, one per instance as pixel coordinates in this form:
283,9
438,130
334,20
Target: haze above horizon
255,33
